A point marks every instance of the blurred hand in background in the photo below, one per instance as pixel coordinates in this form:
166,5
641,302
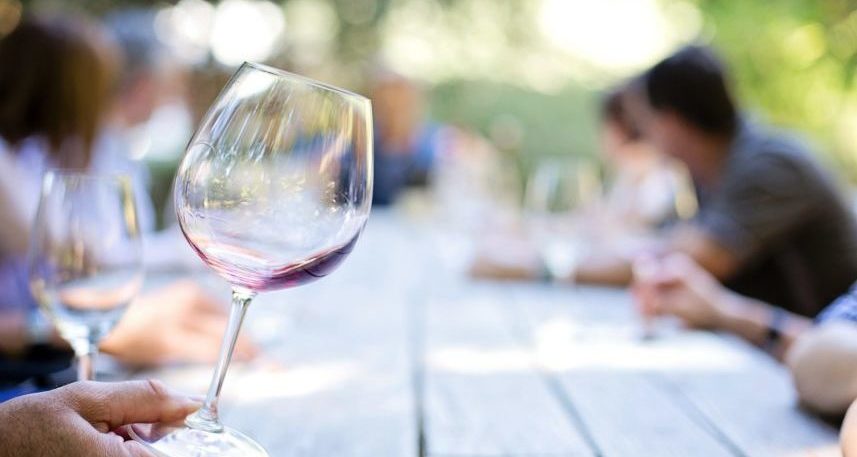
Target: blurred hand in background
177,323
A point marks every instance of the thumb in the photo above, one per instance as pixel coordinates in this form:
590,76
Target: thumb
111,405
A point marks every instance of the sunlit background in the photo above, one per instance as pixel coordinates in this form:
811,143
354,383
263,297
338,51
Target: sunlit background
526,74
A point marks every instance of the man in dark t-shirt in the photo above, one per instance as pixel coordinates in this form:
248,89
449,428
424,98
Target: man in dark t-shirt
771,223
782,219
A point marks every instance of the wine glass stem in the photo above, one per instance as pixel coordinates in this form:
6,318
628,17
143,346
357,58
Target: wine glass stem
207,418
85,352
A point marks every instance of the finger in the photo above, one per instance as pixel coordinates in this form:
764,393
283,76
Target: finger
643,295
644,267
675,303
135,449
117,404
111,445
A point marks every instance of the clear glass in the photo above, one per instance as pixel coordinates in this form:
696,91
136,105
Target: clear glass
85,262
558,193
273,192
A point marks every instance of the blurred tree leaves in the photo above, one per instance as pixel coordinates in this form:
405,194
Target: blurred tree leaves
793,62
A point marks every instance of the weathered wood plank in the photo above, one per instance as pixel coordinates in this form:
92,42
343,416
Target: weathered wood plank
483,396
592,349
732,390
756,406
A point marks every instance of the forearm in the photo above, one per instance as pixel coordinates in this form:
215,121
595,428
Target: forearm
606,270
751,320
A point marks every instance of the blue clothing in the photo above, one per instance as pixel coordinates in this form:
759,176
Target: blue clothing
396,170
843,308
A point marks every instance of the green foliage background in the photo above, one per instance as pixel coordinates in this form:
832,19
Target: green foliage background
793,63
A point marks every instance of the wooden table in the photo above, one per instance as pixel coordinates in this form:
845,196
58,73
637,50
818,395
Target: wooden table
397,354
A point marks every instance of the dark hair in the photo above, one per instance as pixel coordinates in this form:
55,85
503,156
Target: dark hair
692,83
55,82
614,109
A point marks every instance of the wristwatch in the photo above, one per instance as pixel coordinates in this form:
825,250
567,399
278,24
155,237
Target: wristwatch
775,329
39,330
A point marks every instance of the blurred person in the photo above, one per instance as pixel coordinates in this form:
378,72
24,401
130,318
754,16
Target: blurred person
406,146
648,190
86,419
771,224
56,81
821,353
140,69
647,193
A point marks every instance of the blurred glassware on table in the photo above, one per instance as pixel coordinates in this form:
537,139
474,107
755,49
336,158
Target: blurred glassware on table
472,196
273,193
561,194
85,261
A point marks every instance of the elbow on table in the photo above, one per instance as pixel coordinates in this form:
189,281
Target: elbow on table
823,364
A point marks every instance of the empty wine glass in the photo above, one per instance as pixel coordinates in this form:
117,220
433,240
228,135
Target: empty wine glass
273,192
85,260
557,194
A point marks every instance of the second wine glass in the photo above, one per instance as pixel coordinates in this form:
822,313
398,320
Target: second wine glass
85,260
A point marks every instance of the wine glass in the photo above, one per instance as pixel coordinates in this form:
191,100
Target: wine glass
273,192
85,259
557,194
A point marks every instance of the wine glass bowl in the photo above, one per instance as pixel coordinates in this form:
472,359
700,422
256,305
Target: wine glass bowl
273,192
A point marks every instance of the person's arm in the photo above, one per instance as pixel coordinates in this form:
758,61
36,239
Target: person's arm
78,420
678,286
764,325
615,270
604,270
823,363
848,435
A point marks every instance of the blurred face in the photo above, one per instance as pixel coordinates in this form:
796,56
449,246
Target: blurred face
397,109
670,135
614,140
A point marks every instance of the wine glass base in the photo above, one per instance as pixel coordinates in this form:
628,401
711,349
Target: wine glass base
166,440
